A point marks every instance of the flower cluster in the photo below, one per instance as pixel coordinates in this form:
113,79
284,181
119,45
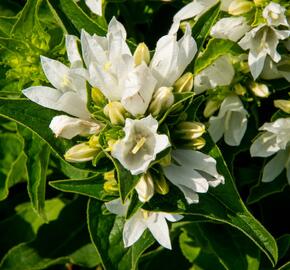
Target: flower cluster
133,107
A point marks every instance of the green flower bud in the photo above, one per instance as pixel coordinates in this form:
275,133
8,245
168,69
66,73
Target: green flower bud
161,185
184,83
240,90
116,112
81,152
98,98
162,99
141,54
283,105
145,187
211,107
94,141
111,186
260,90
259,3
189,130
166,161
238,7
195,144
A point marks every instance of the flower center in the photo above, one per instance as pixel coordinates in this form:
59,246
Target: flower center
274,15
107,66
138,145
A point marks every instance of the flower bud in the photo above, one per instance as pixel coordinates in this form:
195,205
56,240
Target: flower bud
98,98
111,186
238,7
195,144
94,141
162,99
259,3
184,83
260,90
240,90
165,161
161,185
189,130
145,187
116,112
81,152
141,54
211,106
283,105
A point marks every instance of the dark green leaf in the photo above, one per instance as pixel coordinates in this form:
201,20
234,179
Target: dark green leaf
106,234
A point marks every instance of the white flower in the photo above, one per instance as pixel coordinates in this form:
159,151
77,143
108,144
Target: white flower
262,41
194,173
69,127
275,14
141,220
232,28
231,121
171,57
140,145
95,6
145,187
71,44
219,73
275,139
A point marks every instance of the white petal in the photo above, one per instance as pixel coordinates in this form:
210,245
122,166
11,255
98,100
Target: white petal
133,229
158,227
95,6
69,127
216,127
190,196
116,207
265,145
172,217
71,43
275,166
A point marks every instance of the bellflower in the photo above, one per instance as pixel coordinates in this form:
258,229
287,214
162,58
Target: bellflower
275,14
136,225
140,145
231,121
274,140
193,172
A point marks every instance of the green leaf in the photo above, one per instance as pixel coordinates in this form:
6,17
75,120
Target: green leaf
12,160
6,24
284,245
23,226
286,266
58,242
81,20
106,235
134,205
92,187
37,156
23,111
214,49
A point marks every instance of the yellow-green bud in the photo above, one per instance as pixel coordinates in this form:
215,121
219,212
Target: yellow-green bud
145,187
162,99
94,141
283,105
81,152
240,90
110,175
98,98
211,107
195,144
259,3
111,186
238,7
184,83
161,185
260,90
189,130
116,112
165,161
141,54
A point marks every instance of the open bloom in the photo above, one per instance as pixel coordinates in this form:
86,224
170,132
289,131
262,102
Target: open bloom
140,145
194,173
275,14
262,41
232,28
231,121
274,139
219,73
141,220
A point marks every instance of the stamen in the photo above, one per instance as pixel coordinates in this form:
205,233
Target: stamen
138,145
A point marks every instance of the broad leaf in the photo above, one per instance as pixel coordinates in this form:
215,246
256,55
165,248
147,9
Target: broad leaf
106,234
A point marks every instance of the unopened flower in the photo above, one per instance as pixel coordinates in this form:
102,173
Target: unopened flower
162,99
240,90
136,225
219,73
275,14
238,7
189,130
231,121
283,105
260,90
145,187
160,184
211,107
116,112
81,153
193,172
141,54
69,127
184,83
140,145
232,28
